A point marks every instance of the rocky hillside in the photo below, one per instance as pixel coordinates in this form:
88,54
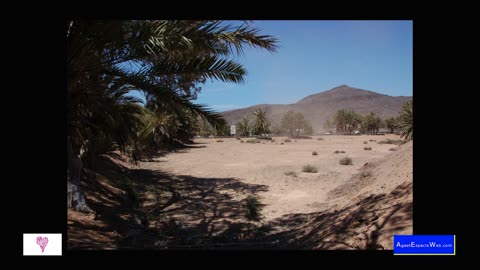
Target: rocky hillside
320,107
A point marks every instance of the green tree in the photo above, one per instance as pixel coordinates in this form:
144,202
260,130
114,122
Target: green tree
406,121
261,124
391,124
243,127
346,121
164,60
295,124
371,123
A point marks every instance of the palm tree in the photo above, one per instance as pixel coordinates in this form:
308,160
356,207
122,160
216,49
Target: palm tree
243,127
261,125
371,123
346,121
406,121
164,60
391,124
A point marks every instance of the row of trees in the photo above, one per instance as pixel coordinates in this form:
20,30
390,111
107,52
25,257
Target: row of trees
292,123
257,126
347,121
162,61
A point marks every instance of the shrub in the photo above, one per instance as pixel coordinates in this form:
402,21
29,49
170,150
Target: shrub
389,141
253,141
309,169
346,161
373,140
367,148
337,152
238,138
253,207
291,173
287,140
320,139
300,137
365,142
282,143
242,141
393,149
219,140
314,153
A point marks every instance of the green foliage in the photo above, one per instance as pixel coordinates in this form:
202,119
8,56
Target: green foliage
295,124
346,121
165,61
253,207
406,121
261,124
243,127
371,124
391,124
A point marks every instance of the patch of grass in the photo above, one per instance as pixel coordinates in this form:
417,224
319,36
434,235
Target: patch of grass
346,161
309,169
253,207
314,153
238,138
365,142
253,141
287,140
320,139
219,140
393,149
367,148
291,173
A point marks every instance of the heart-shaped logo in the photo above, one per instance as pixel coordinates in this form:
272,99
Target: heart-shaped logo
42,242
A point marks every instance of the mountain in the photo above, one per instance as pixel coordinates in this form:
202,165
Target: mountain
320,107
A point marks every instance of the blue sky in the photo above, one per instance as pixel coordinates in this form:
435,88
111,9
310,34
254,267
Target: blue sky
315,56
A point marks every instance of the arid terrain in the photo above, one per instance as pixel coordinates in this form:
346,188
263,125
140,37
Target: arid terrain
320,107
200,189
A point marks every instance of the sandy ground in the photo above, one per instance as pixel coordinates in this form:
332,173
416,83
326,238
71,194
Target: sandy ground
266,164
202,187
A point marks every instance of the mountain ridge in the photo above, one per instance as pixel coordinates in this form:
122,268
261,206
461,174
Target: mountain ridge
320,107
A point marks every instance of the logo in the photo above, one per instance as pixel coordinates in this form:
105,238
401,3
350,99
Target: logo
42,244
424,244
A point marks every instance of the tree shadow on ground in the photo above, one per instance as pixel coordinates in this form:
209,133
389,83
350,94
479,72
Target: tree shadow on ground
150,209
154,209
368,224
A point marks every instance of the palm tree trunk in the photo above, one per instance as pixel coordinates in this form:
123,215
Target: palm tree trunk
75,197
